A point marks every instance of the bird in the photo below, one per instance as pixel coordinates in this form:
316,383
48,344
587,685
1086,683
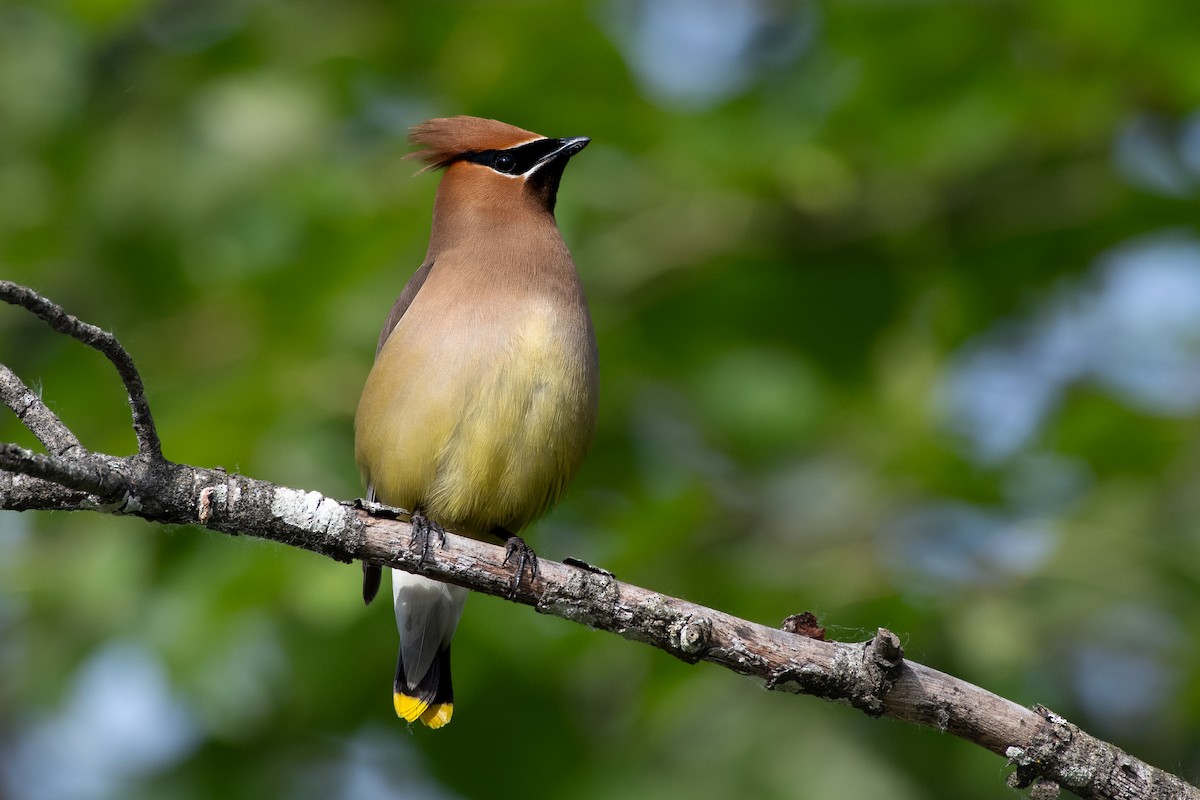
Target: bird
482,400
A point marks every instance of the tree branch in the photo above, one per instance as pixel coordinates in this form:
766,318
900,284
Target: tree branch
34,414
54,316
872,676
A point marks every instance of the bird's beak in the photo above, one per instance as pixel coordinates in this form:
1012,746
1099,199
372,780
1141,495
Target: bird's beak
566,148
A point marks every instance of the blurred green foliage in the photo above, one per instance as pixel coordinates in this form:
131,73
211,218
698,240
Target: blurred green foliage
801,227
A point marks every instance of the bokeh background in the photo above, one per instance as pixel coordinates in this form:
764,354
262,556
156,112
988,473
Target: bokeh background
899,313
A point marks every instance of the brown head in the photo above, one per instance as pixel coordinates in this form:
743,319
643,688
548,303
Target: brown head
493,164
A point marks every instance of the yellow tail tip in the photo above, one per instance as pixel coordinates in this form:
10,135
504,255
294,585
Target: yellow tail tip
411,709
438,715
408,708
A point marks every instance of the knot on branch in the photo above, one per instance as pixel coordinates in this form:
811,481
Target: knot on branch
884,651
860,675
1047,747
882,660
692,637
1060,752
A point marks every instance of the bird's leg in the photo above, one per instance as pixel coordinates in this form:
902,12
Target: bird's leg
422,526
522,554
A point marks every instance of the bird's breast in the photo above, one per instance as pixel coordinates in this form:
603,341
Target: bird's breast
480,414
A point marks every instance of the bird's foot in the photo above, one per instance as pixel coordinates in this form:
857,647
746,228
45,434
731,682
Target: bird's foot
522,554
581,564
422,527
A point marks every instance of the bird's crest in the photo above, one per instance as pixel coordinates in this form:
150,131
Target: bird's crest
447,138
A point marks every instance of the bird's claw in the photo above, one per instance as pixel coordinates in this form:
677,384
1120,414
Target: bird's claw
516,550
422,527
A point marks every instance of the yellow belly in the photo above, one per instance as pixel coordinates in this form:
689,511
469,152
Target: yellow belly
482,427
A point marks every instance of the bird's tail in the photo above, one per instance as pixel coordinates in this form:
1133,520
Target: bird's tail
432,699
427,613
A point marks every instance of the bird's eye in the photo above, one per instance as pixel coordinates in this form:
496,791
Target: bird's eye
504,163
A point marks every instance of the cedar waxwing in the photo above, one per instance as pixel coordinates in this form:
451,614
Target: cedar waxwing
482,401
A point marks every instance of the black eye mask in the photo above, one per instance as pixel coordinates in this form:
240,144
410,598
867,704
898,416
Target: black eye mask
514,160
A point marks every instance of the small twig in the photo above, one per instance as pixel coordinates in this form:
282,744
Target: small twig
90,474
24,493
40,420
53,315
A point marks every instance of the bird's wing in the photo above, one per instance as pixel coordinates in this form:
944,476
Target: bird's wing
403,302
372,573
